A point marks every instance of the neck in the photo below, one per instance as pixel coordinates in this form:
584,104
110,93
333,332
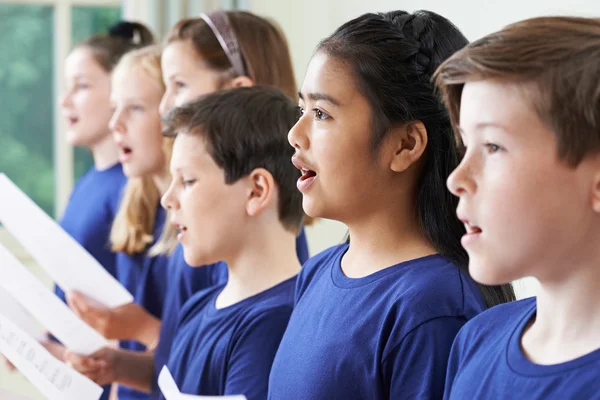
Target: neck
567,319
266,259
384,238
105,153
162,182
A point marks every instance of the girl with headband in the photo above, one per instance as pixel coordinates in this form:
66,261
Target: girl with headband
196,62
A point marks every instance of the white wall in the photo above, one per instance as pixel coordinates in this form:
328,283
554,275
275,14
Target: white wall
306,22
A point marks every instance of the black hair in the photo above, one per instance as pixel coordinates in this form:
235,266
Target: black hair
244,129
393,57
122,37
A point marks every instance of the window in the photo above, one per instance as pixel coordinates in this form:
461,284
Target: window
34,155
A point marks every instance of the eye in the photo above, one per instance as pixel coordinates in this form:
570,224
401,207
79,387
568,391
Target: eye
320,115
300,111
81,86
180,85
188,182
137,108
492,148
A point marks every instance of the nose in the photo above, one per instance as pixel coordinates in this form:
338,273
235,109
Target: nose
461,180
298,137
116,124
169,200
65,99
166,103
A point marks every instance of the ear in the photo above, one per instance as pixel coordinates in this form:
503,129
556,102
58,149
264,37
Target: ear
240,81
262,191
406,145
596,192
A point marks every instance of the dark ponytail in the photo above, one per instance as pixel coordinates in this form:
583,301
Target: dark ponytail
122,37
393,57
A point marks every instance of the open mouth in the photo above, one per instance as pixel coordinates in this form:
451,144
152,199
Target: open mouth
72,120
472,229
473,233
307,174
181,229
125,153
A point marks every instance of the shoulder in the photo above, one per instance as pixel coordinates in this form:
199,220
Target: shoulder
433,287
316,265
496,321
197,302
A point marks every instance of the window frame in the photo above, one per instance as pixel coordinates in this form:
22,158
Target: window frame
62,151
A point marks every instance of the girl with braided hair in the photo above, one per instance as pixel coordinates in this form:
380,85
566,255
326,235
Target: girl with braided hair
376,317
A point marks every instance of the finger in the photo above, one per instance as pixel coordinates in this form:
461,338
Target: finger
10,366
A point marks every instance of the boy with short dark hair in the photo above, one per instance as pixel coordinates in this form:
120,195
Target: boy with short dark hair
233,198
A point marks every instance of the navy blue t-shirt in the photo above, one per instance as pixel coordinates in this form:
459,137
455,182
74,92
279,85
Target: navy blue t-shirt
89,215
186,281
230,351
146,278
90,212
487,362
385,336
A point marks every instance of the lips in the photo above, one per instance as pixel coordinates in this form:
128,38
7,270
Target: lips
125,152
473,232
308,176
181,230
71,120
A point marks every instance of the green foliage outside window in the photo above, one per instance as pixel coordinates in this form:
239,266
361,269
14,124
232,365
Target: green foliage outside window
27,95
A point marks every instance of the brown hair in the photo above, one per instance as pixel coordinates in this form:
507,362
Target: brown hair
244,129
555,60
263,46
132,229
122,38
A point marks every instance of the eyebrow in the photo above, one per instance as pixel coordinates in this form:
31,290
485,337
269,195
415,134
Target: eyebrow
319,96
482,125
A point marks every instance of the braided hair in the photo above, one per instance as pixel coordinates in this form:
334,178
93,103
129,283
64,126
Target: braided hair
393,57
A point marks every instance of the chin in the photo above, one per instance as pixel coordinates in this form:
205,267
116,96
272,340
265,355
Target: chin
195,259
75,139
312,208
490,274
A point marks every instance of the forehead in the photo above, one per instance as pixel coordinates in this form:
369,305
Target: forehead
326,74
179,57
189,148
495,102
135,82
81,62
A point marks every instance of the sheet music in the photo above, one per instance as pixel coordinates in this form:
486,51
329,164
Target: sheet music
11,308
65,260
169,389
43,305
51,377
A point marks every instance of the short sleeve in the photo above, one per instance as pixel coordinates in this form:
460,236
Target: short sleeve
416,368
253,353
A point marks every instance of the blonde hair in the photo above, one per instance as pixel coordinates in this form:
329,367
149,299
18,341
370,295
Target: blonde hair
132,229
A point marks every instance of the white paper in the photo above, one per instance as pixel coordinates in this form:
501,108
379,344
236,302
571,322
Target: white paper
169,389
11,309
44,306
51,377
65,260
